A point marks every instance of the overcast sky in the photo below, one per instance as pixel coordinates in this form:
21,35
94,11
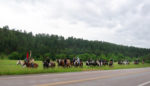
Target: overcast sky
124,22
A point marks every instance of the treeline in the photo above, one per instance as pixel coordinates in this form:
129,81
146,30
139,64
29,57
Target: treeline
15,44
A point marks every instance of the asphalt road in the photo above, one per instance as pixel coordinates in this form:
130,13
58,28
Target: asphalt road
122,77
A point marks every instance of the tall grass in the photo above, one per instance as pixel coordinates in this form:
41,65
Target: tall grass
9,67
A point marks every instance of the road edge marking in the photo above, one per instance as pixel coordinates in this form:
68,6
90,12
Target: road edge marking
145,83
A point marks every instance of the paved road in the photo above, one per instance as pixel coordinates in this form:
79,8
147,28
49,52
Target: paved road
123,77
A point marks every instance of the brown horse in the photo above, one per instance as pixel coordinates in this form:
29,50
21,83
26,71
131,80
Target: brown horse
64,62
34,65
52,64
68,63
61,62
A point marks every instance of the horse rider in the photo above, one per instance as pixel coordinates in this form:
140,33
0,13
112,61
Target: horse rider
74,60
78,60
48,60
32,62
142,61
65,61
26,61
27,58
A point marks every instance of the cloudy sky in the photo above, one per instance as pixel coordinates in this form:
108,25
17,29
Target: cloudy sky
124,22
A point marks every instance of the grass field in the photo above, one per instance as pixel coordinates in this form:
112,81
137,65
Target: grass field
9,67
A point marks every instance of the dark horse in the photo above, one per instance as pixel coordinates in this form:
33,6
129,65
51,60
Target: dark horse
47,63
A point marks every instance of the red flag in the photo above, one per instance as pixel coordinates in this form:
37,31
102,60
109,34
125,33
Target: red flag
27,55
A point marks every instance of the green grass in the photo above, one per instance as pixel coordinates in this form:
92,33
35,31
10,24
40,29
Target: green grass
9,67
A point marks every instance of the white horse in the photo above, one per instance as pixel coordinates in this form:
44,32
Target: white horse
125,62
19,62
98,63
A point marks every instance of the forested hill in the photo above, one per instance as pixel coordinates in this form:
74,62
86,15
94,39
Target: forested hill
42,45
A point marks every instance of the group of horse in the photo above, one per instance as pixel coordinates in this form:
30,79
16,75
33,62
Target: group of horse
68,63
110,62
99,62
126,62
75,63
62,62
123,62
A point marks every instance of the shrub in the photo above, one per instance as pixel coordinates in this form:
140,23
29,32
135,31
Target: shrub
14,55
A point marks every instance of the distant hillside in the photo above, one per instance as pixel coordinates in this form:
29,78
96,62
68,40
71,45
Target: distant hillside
55,46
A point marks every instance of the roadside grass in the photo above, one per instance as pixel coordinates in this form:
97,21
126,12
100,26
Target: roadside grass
9,67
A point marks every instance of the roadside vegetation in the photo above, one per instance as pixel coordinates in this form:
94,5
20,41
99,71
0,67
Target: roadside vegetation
9,67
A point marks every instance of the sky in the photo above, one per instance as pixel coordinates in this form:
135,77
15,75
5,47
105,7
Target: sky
125,22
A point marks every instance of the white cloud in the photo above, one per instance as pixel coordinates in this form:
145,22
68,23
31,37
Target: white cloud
117,21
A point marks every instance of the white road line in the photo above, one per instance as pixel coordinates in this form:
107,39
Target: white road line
22,77
145,83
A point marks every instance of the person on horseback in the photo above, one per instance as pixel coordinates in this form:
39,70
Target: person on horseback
78,60
47,60
65,61
142,61
111,62
32,62
74,60
27,59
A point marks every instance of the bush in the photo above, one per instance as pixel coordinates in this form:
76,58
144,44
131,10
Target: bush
14,56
